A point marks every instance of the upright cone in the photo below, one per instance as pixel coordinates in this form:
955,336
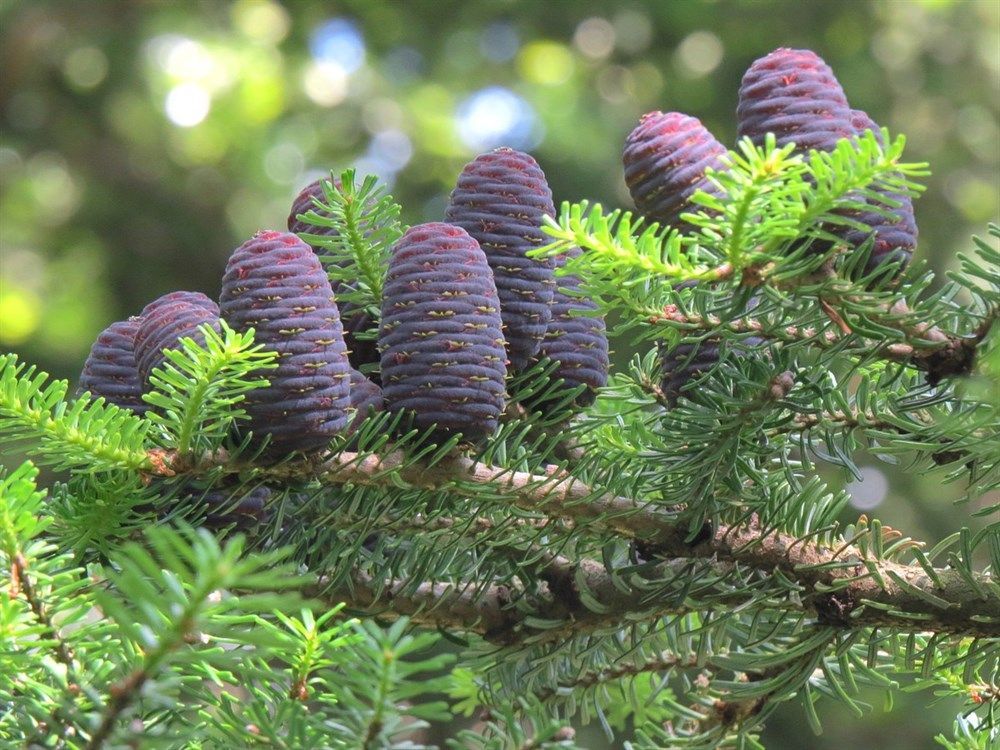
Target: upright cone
576,339
894,235
500,200
441,341
275,284
793,94
665,159
165,321
111,371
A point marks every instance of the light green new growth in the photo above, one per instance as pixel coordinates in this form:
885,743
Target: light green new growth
197,391
87,435
365,223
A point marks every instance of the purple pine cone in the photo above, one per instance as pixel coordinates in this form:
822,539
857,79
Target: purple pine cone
275,284
665,159
361,351
366,398
500,200
165,321
895,235
442,347
684,363
232,505
576,339
793,94
303,204
110,370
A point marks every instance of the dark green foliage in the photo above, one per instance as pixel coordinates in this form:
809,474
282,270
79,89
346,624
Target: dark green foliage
274,283
500,200
441,341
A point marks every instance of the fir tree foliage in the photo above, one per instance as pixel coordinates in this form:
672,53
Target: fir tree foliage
366,220
196,391
681,569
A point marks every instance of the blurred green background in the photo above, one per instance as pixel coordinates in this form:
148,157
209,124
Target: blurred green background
140,142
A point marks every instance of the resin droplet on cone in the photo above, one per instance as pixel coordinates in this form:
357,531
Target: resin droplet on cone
275,284
665,159
442,347
500,200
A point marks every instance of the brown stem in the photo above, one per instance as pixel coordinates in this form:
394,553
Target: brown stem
939,353
662,663
846,587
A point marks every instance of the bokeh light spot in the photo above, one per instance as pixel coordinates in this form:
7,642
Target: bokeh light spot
187,59
595,38
499,42
869,492
700,52
261,20
974,196
187,104
338,41
284,163
85,67
547,63
19,313
633,31
616,84
495,116
325,83
53,187
392,147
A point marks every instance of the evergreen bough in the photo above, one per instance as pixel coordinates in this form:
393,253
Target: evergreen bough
680,568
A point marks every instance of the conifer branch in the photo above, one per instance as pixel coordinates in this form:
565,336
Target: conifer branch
845,587
938,352
844,597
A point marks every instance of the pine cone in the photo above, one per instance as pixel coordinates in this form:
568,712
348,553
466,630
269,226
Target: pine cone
895,236
165,321
684,363
793,94
441,341
360,351
303,204
366,398
500,200
110,370
665,159
578,342
225,505
275,284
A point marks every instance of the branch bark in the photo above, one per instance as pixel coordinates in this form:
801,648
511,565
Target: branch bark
941,354
844,587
